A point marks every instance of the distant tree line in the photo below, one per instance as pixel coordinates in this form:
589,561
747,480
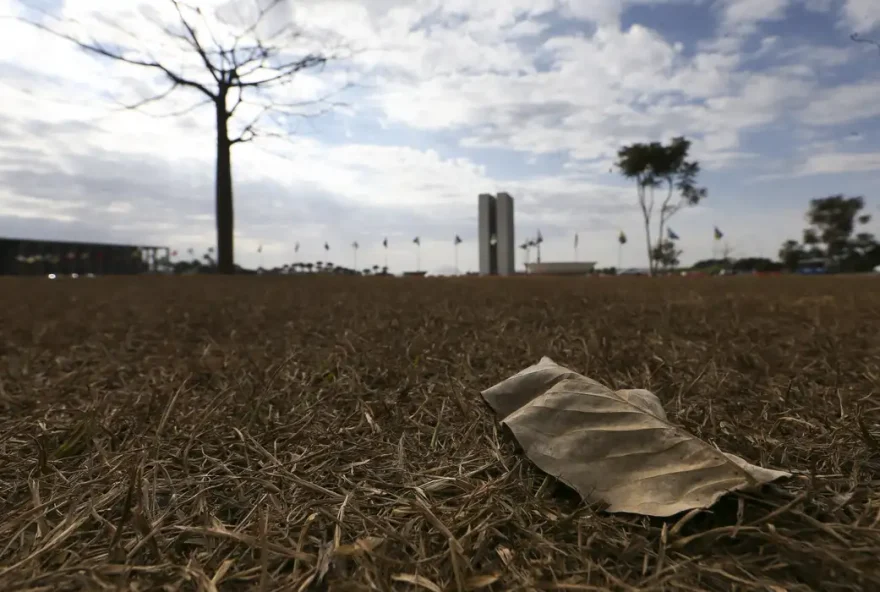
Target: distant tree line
207,264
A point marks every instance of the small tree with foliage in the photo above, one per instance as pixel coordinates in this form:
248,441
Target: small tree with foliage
666,254
655,166
832,235
791,253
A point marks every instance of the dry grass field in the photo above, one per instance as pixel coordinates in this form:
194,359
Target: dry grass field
271,433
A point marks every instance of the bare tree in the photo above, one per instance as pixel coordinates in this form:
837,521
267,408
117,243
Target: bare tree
243,68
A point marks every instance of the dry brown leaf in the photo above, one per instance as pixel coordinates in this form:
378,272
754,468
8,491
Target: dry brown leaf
615,447
417,580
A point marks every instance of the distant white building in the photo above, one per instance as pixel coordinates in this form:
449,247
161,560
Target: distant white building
496,235
561,267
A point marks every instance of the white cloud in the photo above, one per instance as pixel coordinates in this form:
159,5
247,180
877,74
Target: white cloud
843,104
748,12
840,162
861,16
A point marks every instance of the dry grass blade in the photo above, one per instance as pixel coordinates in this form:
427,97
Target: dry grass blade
418,581
281,433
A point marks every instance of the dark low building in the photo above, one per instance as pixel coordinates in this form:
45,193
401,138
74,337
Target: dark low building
37,257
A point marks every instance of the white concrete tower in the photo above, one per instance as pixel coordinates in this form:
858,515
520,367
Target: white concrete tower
506,248
485,231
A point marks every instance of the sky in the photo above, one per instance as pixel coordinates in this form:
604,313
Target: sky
431,103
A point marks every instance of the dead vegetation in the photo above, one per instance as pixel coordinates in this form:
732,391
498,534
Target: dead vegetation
328,433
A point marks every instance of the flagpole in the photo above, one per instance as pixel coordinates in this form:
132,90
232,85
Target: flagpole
456,257
419,256
619,255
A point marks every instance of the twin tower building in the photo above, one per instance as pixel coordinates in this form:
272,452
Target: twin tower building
497,250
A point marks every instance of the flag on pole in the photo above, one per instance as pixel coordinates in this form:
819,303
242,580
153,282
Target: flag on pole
718,234
385,242
296,247
260,249
671,234
575,240
326,246
174,253
539,239
457,239
354,245
622,238
418,243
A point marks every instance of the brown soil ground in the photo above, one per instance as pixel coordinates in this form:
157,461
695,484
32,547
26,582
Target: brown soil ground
327,433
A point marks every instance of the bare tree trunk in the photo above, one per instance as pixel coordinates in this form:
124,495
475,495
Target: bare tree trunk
223,191
646,214
664,216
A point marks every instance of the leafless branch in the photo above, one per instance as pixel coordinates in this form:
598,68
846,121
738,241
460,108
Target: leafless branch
144,102
182,112
247,133
218,48
859,39
97,48
286,110
238,101
284,72
195,43
249,30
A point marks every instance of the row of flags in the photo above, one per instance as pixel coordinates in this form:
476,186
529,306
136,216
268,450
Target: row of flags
54,258
355,245
673,236
534,242
621,238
